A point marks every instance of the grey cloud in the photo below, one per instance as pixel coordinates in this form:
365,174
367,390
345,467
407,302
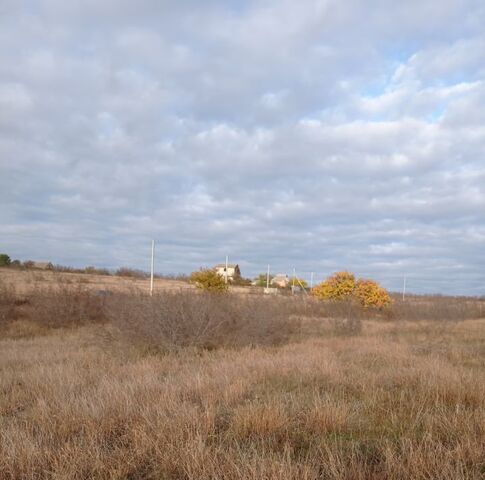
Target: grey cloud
247,128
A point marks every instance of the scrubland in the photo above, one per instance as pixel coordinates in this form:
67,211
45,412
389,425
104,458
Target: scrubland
192,386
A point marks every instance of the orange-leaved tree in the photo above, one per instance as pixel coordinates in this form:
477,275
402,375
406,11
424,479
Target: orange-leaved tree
344,286
371,294
339,286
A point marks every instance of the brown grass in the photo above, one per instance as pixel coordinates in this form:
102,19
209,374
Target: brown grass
25,281
78,400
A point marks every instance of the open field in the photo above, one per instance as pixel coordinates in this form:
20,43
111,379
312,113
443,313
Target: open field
26,280
96,387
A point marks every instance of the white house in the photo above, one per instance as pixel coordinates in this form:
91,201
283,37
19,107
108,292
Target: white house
232,272
280,280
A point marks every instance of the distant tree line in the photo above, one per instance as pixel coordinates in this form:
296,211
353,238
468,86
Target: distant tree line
6,261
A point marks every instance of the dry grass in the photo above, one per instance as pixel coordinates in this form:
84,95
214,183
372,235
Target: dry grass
396,400
25,281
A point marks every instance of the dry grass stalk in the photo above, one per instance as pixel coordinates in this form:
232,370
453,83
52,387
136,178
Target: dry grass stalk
246,388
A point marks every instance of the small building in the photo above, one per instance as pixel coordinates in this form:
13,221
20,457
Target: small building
232,272
280,280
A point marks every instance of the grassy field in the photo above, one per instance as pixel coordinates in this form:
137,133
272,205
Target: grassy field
27,280
295,395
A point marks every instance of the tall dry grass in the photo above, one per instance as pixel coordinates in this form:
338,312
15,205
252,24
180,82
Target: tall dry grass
234,387
362,407
172,320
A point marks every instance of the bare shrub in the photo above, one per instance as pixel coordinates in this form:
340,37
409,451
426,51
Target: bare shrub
435,307
96,271
130,273
173,320
8,302
66,269
186,319
65,306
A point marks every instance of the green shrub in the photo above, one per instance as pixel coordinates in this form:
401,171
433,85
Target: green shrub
261,280
209,280
4,260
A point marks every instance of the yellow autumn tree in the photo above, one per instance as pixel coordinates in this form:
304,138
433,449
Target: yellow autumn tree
339,286
371,294
209,280
300,282
344,286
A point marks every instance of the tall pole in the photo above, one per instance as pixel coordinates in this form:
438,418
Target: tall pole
311,281
293,285
151,269
225,276
267,278
404,289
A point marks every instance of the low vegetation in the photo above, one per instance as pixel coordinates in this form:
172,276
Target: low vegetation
191,385
209,280
344,286
125,272
5,260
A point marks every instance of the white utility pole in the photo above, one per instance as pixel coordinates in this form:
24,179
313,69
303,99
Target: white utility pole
311,281
225,272
151,270
404,289
267,278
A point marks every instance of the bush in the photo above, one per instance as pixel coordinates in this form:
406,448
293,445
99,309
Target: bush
344,286
4,260
300,282
96,271
209,280
65,269
170,321
339,286
371,294
261,280
131,273
241,282
66,306
8,300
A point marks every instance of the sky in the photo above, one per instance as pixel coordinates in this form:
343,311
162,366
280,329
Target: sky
320,135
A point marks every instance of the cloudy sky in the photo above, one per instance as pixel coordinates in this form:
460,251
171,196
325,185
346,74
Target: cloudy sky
315,134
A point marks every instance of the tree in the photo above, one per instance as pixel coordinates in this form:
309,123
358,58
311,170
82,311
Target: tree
261,280
241,282
209,280
4,260
344,286
371,294
339,286
300,282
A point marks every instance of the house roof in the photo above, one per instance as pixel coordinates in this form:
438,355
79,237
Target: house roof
229,265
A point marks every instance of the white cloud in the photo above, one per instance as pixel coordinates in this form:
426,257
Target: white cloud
294,133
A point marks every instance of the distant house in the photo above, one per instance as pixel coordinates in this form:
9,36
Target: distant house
232,272
42,265
281,280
